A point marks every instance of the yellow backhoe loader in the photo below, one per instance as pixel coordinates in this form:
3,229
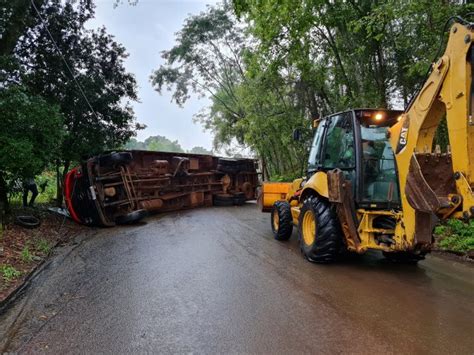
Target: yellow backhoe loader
374,178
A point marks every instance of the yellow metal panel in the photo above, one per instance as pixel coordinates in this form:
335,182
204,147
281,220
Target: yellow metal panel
295,213
272,192
319,183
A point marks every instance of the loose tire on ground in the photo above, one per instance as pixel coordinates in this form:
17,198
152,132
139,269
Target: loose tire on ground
132,217
29,222
282,221
319,231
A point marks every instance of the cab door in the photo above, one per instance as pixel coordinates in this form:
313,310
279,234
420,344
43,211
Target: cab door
339,148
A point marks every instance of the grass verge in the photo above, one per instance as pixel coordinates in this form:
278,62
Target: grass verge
455,235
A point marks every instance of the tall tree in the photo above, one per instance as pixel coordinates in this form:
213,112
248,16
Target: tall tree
163,144
200,150
287,62
84,72
30,129
251,105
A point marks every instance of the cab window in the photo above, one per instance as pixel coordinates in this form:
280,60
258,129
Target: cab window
380,182
315,153
339,146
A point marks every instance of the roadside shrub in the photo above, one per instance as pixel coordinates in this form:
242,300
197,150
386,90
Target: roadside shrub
456,235
43,246
9,272
26,255
285,177
47,180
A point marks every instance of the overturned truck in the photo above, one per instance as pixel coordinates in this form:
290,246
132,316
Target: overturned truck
122,187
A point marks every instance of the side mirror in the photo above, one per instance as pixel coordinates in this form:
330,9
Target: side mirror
297,134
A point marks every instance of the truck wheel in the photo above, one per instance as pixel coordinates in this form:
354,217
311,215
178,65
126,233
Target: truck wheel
282,221
319,231
118,158
247,189
403,257
239,198
223,200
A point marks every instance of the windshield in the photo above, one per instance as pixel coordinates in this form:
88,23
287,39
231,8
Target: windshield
314,154
380,183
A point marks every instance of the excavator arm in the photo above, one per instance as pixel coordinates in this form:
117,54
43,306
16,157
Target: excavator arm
436,185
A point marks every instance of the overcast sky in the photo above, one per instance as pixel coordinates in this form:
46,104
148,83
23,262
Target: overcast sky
145,30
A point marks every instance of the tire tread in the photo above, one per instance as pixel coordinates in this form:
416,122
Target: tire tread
285,226
328,240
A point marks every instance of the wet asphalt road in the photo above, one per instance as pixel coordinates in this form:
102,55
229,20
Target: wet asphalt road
214,281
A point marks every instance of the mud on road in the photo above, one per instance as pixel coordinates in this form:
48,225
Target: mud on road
214,281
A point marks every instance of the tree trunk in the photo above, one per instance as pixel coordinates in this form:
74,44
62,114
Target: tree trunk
4,205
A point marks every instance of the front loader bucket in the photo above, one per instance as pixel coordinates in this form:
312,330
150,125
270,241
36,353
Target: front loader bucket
272,192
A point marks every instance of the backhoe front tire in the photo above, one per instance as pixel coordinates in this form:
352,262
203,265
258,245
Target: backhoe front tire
282,221
319,231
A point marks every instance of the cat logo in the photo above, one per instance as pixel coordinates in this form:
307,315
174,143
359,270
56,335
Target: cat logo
402,142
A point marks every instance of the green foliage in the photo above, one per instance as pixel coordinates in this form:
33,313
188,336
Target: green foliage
30,133
133,143
97,62
43,246
456,235
30,130
200,150
161,143
104,119
26,255
362,53
9,272
441,137
288,62
46,180
155,143
286,178
250,106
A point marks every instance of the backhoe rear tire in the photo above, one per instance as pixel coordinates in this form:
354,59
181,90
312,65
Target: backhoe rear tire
282,221
319,231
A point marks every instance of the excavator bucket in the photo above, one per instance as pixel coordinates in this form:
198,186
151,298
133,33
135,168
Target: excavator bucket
272,192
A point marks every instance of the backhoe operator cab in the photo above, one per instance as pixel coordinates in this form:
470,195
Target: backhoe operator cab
356,142
374,180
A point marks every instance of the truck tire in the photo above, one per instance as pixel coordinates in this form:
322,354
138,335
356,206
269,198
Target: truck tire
229,165
223,200
319,231
247,189
239,198
282,221
118,158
